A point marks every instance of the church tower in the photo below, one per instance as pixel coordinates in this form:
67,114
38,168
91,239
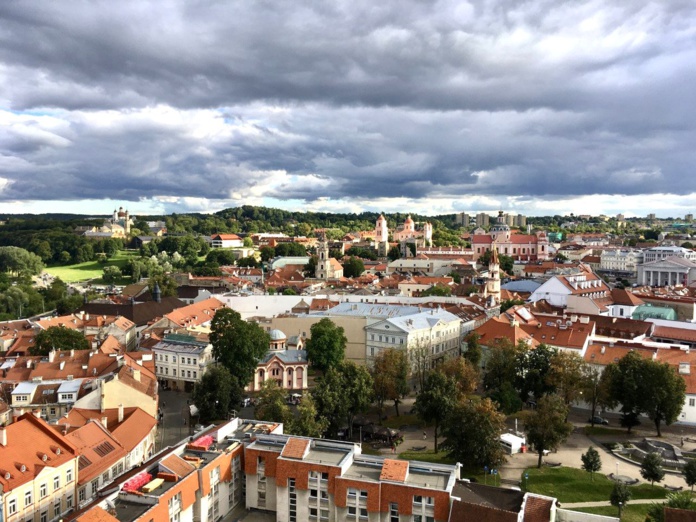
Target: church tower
428,233
322,270
493,281
381,236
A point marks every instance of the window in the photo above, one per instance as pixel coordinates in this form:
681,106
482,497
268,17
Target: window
194,375
313,493
56,508
53,411
105,477
174,372
56,482
44,516
95,486
363,512
114,471
28,500
81,495
173,358
69,502
352,510
12,506
692,402
43,490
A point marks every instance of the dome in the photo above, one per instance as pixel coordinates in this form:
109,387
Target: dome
408,219
277,335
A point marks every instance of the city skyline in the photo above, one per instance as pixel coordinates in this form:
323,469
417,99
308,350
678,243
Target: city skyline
440,107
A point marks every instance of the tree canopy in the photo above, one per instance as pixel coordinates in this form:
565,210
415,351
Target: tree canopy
19,261
237,344
546,426
216,394
327,344
58,338
272,404
390,371
472,433
435,402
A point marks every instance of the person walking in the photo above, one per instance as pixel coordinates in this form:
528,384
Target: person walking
425,435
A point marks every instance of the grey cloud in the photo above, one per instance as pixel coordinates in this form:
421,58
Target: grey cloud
352,99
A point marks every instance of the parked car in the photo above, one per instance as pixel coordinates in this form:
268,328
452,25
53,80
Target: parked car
598,420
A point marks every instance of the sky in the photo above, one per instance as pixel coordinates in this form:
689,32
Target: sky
537,107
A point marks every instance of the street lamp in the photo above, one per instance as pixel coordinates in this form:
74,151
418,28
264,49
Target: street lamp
617,468
485,475
620,508
526,481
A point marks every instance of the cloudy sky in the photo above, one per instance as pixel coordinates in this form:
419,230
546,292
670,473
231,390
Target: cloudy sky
537,107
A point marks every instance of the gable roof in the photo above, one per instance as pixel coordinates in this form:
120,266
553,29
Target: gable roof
98,450
45,442
195,314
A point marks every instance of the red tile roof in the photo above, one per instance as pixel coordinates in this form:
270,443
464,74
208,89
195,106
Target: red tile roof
45,441
177,465
537,509
98,450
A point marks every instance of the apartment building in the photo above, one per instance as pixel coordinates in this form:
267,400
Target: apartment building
38,472
201,479
181,360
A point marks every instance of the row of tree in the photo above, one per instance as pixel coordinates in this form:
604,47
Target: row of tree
516,374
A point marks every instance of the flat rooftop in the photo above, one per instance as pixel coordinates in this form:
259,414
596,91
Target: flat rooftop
127,510
364,471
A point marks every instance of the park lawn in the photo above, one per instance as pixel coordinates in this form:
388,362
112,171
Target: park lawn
92,269
631,513
575,485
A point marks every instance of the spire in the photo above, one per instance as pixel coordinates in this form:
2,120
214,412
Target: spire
157,293
494,257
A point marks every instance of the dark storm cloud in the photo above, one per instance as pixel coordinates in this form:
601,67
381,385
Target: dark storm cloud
354,99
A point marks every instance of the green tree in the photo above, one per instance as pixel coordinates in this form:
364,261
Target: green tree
435,401
58,338
353,267
310,269
533,371
566,375
546,426
689,472
343,392
111,274
651,468
596,389
620,495
248,243
216,394
390,370
626,387
308,422
501,366
591,462
272,404
455,277
472,433
19,261
664,393
437,290
327,344
289,291
267,253
394,253
473,349
237,344
681,500
167,284
509,303
507,398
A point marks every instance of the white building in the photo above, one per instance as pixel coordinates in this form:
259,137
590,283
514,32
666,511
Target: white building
663,252
620,260
675,270
557,289
226,241
436,331
181,360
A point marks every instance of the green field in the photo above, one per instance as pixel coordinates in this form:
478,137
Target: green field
92,269
575,485
631,513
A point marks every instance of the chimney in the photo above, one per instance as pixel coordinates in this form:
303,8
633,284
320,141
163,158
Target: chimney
136,375
72,353
29,364
86,317
37,413
105,422
120,413
62,365
604,349
3,436
52,355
